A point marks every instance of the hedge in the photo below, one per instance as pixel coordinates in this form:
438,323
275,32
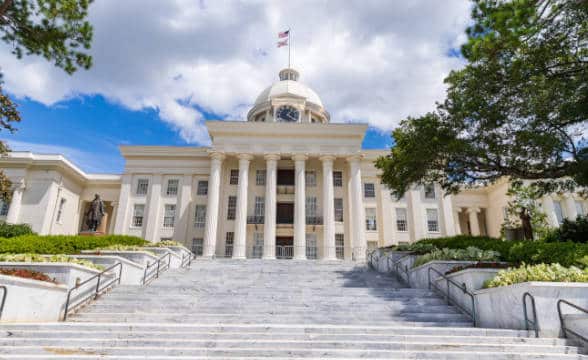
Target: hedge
517,252
13,230
63,244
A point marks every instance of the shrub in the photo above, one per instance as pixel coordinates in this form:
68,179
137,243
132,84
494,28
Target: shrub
540,272
469,254
51,259
62,244
574,231
166,243
118,247
417,248
13,230
479,265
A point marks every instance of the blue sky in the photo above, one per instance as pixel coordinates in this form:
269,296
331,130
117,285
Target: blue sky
89,129
182,61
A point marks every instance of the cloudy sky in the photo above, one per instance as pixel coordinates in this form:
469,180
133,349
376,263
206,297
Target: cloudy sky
161,68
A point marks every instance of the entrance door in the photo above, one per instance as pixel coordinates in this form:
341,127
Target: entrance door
285,213
284,247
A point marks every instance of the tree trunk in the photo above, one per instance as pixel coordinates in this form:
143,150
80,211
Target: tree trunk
4,7
526,224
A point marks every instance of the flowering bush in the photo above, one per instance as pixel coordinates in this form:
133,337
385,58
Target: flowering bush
62,244
540,272
469,254
165,243
48,259
125,248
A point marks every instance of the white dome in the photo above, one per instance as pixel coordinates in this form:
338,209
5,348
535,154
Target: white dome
286,88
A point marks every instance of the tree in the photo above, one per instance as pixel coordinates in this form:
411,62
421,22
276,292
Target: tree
518,109
524,212
54,29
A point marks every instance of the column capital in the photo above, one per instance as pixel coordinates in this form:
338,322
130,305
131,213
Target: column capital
216,155
354,158
19,184
327,158
270,157
473,209
299,157
247,157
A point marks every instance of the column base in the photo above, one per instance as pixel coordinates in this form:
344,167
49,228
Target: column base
330,259
268,258
239,258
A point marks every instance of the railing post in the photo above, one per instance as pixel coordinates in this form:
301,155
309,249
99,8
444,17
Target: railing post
157,272
97,286
4,295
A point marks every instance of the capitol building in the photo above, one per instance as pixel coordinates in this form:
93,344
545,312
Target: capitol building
287,183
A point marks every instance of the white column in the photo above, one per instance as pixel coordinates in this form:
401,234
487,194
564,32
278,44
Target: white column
418,215
214,179
183,210
269,227
474,224
358,218
122,214
570,204
329,252
458,229
448,213
239,247
153,207
549,211
300,208
15,203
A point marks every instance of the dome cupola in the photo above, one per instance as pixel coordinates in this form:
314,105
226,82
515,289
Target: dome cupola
288,101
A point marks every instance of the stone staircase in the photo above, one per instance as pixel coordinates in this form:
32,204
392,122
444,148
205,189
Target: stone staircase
280,309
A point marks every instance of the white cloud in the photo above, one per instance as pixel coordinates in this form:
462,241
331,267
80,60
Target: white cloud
372,61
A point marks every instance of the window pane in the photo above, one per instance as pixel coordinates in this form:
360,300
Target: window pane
369,190
432,220
260,177
338,209
311,247
558,211
310,178
234,179
310,209
232,208
259,207
197,246
202,187
142,186
138,212
172,187
4,206
370,219
430,191
337,178
200,216
340,246
169,216
229,244
60,210
257,245
401,219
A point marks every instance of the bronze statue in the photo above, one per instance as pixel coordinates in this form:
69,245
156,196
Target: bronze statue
95,213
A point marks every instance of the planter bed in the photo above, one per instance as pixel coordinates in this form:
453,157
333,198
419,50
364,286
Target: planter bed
132,272
175,259
502,307
419,276
143,258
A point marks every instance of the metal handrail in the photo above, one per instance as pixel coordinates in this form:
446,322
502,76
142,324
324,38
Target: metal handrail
534,322
186,259
462,287
398,268
148,276
4,295
97,290
370,258
564,329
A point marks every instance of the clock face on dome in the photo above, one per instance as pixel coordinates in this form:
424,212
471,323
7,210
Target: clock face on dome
287,114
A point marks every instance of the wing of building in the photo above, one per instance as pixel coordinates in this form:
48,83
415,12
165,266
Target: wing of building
286,183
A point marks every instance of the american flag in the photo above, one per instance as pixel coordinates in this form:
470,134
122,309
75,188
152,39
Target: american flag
283,43
284,34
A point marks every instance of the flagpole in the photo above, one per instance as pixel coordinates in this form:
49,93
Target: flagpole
289,44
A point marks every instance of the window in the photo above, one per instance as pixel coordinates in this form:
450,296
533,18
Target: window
229,244
169,216
232,208
430,191
401,219
559,215
310,177
138,212
259,207
200,216
60,210
369,190
4,208
340,246
202,187
257,245
142,186
311,249
370,219
580,208
197,246
260,177
234,179
432,220
310,210
172,187
505,213
338,209
337,179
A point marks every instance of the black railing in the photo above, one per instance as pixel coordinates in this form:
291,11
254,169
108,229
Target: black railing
462,287
528,321
187,257
153,270
314,220
564,329
370,257
4,294
401,269
285,220
97,290
255,219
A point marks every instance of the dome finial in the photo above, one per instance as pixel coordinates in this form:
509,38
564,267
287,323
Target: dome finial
289,74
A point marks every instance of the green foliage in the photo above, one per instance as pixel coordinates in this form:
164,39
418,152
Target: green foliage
515,110
574,231
417,248
524,202
62,244
13,230
469,254
60,258
540,272
166,243
122,247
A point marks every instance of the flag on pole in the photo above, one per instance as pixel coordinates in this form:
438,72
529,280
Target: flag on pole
284,34
283,43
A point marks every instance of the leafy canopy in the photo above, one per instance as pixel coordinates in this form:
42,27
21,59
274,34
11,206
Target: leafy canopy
519,108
